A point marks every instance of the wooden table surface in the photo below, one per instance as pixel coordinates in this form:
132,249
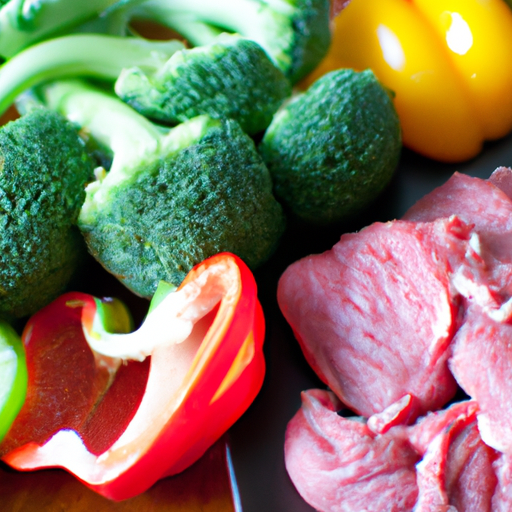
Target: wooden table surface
204,487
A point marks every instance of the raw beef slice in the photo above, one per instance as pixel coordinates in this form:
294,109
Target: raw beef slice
339,465
456,472
439,464
502,499
484,204
482,365
375,315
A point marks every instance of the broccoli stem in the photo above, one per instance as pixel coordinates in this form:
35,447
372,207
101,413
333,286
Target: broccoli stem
23,23
132,138
253,19
194,31
236,16
110,121
94,55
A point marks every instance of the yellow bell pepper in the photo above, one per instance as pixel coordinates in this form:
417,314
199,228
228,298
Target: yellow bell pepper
449,63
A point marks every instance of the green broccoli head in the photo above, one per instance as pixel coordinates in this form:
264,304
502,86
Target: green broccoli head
171,198
213,195
43,172
231,77
294,33
334,148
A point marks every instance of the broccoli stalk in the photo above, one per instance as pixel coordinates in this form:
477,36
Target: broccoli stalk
25,22
196,32
94,55
171,197
294,33
232,77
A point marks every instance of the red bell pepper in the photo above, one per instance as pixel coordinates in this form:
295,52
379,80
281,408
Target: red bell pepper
146,404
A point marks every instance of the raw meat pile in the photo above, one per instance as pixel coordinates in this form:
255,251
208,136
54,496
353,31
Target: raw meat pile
395,319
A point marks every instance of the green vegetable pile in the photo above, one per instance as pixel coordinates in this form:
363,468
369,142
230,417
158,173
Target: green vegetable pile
154,155
172,198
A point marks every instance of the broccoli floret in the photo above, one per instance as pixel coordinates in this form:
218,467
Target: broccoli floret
232,77
294,33
43,172
334,148
171,197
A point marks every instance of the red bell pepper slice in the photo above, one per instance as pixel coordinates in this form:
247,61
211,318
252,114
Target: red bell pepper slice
202,347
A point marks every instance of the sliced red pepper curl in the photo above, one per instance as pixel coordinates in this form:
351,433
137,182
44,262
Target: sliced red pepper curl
204,344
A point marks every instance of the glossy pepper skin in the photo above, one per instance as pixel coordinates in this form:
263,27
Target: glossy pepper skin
447,62
204,345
